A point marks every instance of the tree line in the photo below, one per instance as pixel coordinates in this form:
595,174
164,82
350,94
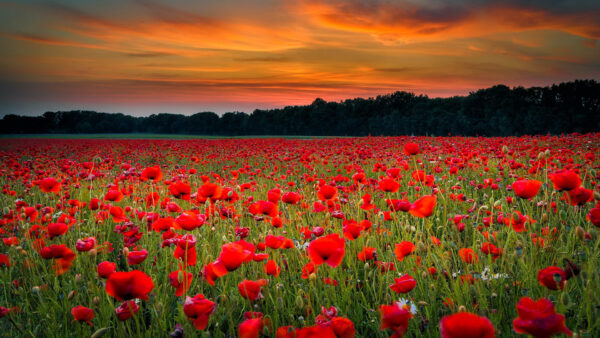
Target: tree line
496,111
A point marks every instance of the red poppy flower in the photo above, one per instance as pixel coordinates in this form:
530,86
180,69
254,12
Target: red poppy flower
4,311
579,196
271,268
308,269
250,328
395,317
126,310
526,188
48,184
105,269
137,257
329,249
565,180
85,244
189,220
250,289
4,262
517,221
129,285
117,213
181,281
552,277
423,207
180,190
404,249
62,255
95,204
274,242
466,325
274,195
594,216
152,173
352,229
186,249
83,314
233,255
539,319
212,271
398,205
198,310
291,197
342,328
467,255
113,195
57,229
264,208
388,185
211,191
403,284
491,249
327,193
411,149
163,224
367,254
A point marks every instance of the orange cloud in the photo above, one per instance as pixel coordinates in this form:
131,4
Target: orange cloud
401,21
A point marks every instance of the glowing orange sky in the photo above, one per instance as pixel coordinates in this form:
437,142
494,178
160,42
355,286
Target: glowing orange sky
142,57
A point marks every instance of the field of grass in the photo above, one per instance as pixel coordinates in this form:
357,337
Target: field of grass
334,237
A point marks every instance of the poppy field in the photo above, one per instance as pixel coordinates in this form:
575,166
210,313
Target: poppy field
337,237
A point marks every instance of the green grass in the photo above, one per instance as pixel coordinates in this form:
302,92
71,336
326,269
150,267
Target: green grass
45,304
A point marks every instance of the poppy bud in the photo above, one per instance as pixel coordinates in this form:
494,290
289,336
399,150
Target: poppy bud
35,289
299,302
462,308
497,203
597,195
580,233
100,332
547,153
504,149
565,299
78,278
71,295
424,274
125,251
544,218
222,299
421,247
96,300
422,303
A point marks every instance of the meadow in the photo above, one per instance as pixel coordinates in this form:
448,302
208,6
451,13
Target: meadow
273,237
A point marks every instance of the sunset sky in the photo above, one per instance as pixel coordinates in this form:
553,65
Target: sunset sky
141,57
